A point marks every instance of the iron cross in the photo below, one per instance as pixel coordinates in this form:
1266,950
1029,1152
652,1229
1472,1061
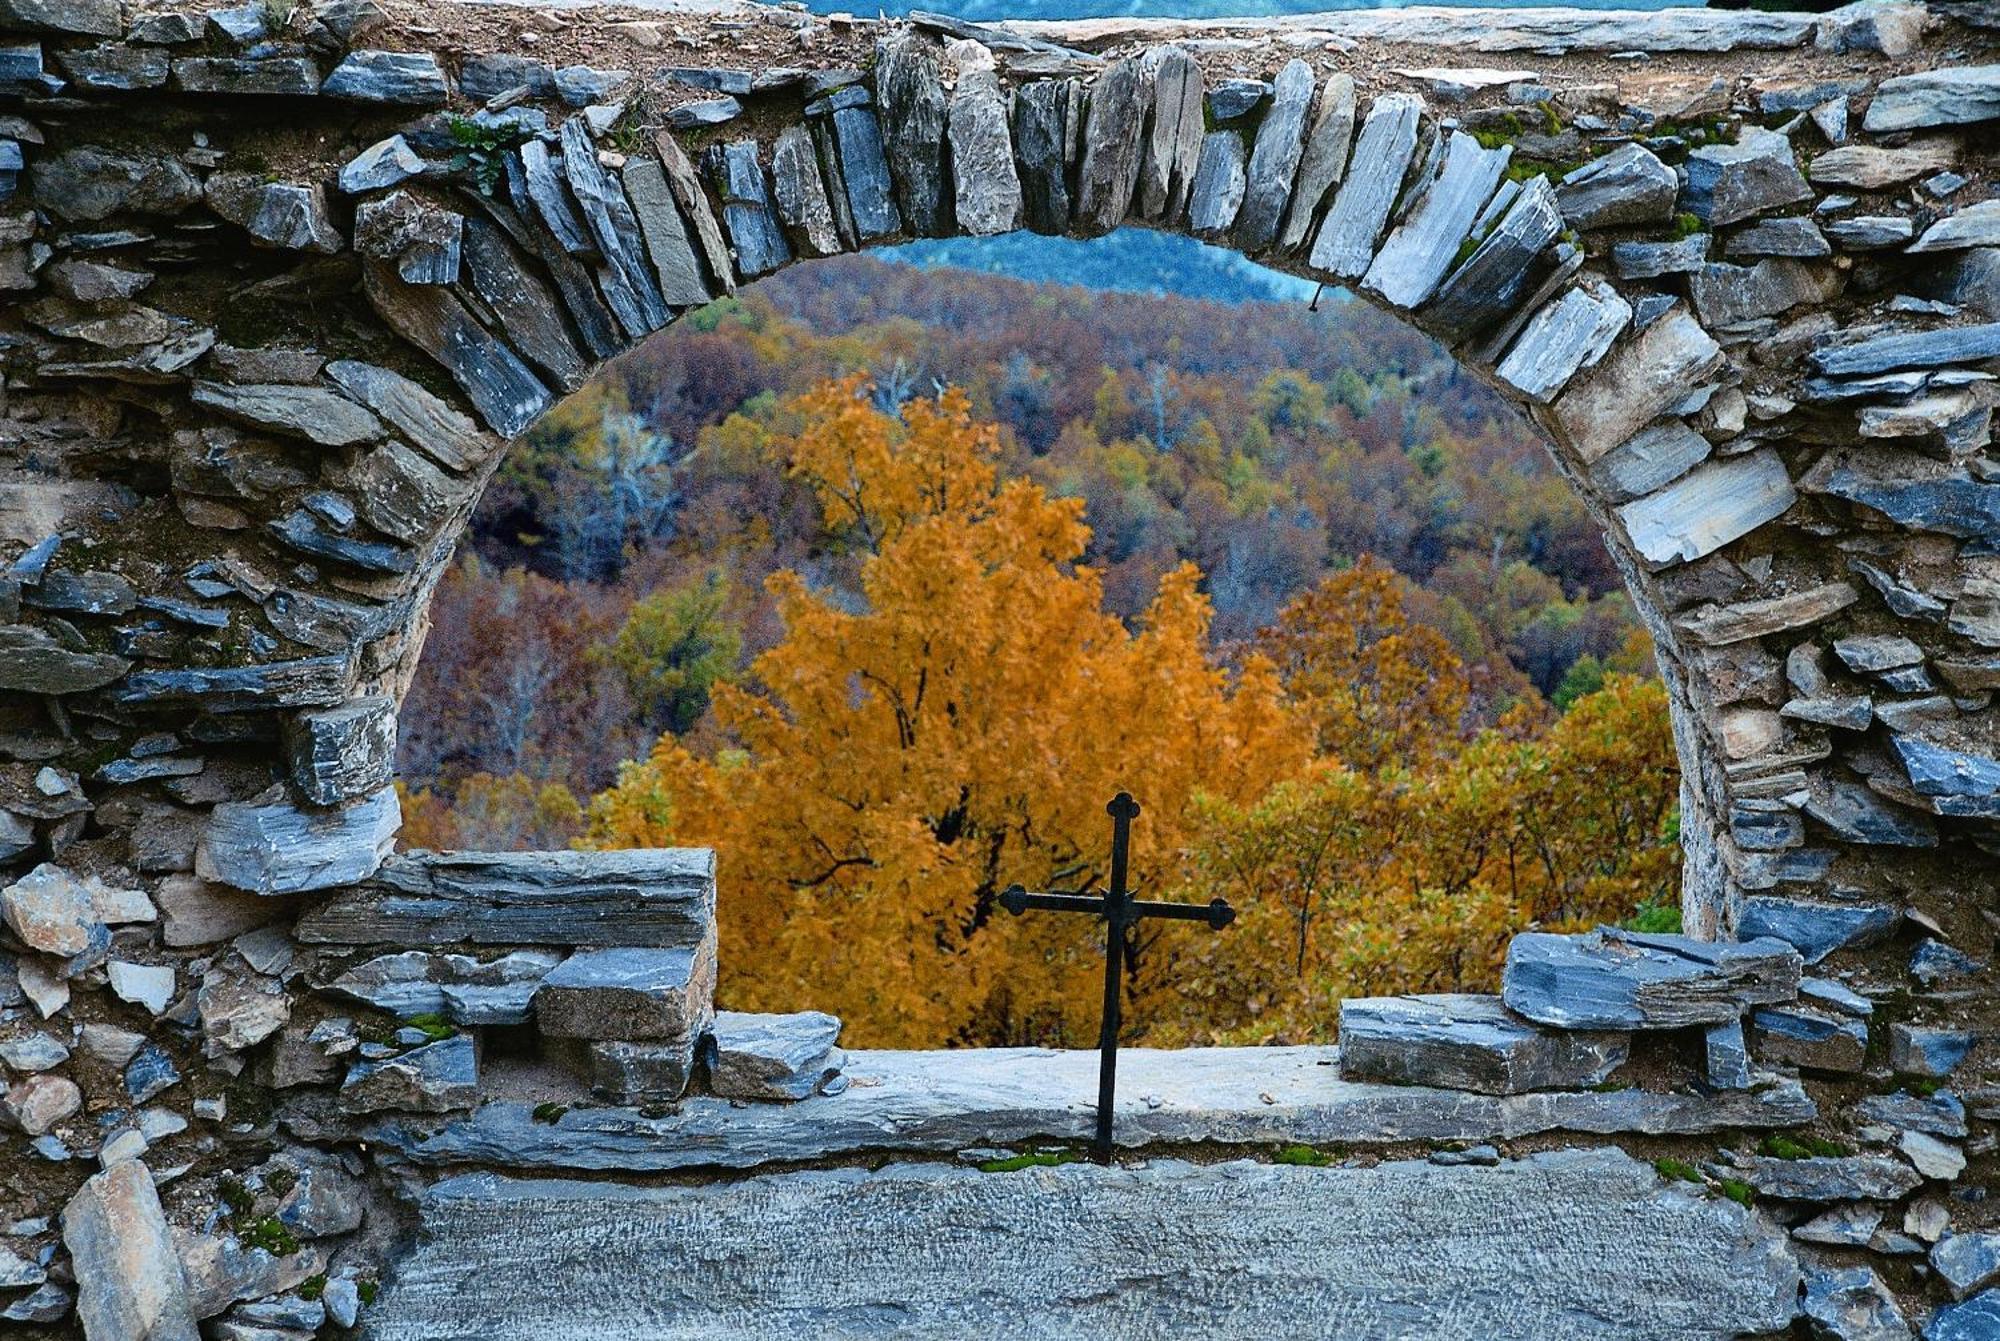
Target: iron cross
1120,912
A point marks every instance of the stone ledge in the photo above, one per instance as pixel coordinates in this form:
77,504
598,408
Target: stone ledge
946,1101
1562,1245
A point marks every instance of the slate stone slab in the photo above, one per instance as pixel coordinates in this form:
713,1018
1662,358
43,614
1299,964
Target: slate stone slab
1423,246
308,682
1503,269
1467,1042
1217,193
1654,456
1382,152
278,848
464,989
1637,383
746,207
686,188
1708,507
676,266
1274,160
1406,1248
800,194
1977,225
642,1073
1627,187
500,386
383,164
951,1100
628,287
528,309
275,76
1973,1320
337,754
1045,119
1816,1040
435,1078
405,78
1727,183
1324,161
1967,1262
909,92
987,190
771,1058
1953,96
1731,295
33,662
1650,260
1562,338
1856,814
313,413
1620,980
1909,349
633,993
1817,929
1829,1178
1959,783
648,897
114,67
129,1281
1108,172
1171,148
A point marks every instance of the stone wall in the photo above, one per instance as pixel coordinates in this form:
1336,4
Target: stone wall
284,280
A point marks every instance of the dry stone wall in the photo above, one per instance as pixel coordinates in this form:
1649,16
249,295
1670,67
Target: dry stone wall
283,281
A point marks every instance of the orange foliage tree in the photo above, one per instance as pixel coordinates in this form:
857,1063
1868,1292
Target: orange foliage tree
900,757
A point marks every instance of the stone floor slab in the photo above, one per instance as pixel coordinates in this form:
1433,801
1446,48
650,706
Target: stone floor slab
1563,1246
954,1100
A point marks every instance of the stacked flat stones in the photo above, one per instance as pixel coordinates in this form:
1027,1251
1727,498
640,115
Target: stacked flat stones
283,282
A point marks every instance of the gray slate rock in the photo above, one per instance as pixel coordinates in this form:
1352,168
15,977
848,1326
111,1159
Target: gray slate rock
1953,96
436,1078
1562,338
1654,456
1856,814
630,993
425,242
909,90
1727,183
1612,980
1219,183
129,1280
1817,929
405,78
1274,160
1346,242
1909,349
1413,262
1920,1051
505,391
1941,1113
1234,98
1627,187
542,180
307,682
278,848
1977,1319
1112,149
383,164
706,112
531,315
1732,295
1171,148
273,76
482,78
1852,1304
1967,1262
114,66
1045,122
646,897
779,1058
1460,1249
463,989
987,188
438,430
1796,1036
1976,225
33,661
1793,237
945,1101
93,18
669,243
86,184
628,285
746,208
1726,1057
1708,508
1503,269
1637,383
642,1073
1959,783
800,195
1651,260
1468,1042
1324,161
1829,1177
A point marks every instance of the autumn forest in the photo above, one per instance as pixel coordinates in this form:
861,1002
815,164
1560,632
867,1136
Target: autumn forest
881,579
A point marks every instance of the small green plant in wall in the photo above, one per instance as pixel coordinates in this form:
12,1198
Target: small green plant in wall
482,152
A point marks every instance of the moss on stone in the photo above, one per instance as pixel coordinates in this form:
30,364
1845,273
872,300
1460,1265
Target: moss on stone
1302,1154
1677,1170
1783,1145
1737,1191
271,1234
1041,1160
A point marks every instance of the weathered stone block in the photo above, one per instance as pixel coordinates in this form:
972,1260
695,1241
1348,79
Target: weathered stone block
642,1073
1796,1036
463,989
644,897
1613,980
435,1078
1468,1042
341,753
1817,929
129,1280
279,848
630,993
770,1057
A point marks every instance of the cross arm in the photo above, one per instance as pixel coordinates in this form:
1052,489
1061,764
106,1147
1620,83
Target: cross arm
1017,900
1216,912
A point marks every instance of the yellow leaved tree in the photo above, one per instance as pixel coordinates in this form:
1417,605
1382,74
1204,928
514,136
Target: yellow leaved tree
954,725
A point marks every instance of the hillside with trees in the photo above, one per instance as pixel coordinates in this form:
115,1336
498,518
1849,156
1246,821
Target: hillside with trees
886,577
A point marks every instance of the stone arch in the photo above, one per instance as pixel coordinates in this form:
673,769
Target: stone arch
280,300
1779,459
